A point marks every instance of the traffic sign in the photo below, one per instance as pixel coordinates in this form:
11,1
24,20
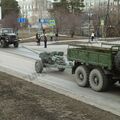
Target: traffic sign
22,20
49,22
43,21
52,22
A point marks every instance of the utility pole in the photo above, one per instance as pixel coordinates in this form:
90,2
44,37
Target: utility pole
90,14
0,11
118,5
108,10
107,18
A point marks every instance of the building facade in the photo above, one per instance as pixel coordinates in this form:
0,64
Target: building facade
34,10
93,3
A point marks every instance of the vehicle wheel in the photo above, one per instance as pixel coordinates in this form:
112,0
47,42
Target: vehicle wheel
117,61
3,43
112,82
61,69
38,66
82,74
16,44
98,80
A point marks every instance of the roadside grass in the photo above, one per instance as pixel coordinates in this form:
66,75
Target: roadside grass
26,33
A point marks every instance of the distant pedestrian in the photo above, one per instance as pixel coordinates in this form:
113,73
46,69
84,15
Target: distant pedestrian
43,31
51,38
45,41
92,36
72,33
56,36
38,38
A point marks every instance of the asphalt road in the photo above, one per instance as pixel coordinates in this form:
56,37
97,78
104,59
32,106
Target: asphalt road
20,62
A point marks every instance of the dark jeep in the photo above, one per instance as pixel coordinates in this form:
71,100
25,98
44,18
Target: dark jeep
7,37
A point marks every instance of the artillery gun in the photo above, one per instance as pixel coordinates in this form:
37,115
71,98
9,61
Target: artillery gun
52,59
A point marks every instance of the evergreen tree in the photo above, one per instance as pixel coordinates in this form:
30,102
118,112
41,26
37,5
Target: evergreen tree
74,6
9,6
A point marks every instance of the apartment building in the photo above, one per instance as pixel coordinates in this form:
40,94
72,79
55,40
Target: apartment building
34,9
93,3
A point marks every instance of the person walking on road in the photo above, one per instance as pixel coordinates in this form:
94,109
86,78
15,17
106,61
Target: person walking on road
92,36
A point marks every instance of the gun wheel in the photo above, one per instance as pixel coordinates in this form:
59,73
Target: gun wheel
38,66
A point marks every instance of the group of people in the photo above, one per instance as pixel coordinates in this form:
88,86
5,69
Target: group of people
38,38
45,39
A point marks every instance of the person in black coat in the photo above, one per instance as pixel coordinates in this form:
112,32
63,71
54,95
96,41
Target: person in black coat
56,35
45,41
38,38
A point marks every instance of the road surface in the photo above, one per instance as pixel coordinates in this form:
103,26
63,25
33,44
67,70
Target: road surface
20,62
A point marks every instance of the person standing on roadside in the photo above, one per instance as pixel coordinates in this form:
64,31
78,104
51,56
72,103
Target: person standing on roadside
56,36
38,38
45,41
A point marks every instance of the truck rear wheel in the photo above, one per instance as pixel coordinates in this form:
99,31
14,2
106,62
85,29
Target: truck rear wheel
38,66
117,61
98,80
81,75
16,44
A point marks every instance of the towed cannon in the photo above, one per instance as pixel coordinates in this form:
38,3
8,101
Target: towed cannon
52,59
97,67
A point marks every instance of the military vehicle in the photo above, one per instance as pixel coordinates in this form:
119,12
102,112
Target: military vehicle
7,37
97,67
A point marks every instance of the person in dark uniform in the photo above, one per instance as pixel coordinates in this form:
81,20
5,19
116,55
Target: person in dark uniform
38,38
45,41
56,35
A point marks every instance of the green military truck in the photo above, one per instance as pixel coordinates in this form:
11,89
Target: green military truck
96,67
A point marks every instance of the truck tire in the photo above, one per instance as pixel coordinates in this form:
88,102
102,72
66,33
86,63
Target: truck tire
3,44
117,61
38,66
98,80
82,74
61,69
16,44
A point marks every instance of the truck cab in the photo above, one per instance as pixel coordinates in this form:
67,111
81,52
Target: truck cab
7,37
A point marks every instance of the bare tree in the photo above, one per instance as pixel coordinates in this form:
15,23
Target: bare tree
10,20
67,16
108,13
66,22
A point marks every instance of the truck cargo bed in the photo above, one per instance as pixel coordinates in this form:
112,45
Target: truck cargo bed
91,55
